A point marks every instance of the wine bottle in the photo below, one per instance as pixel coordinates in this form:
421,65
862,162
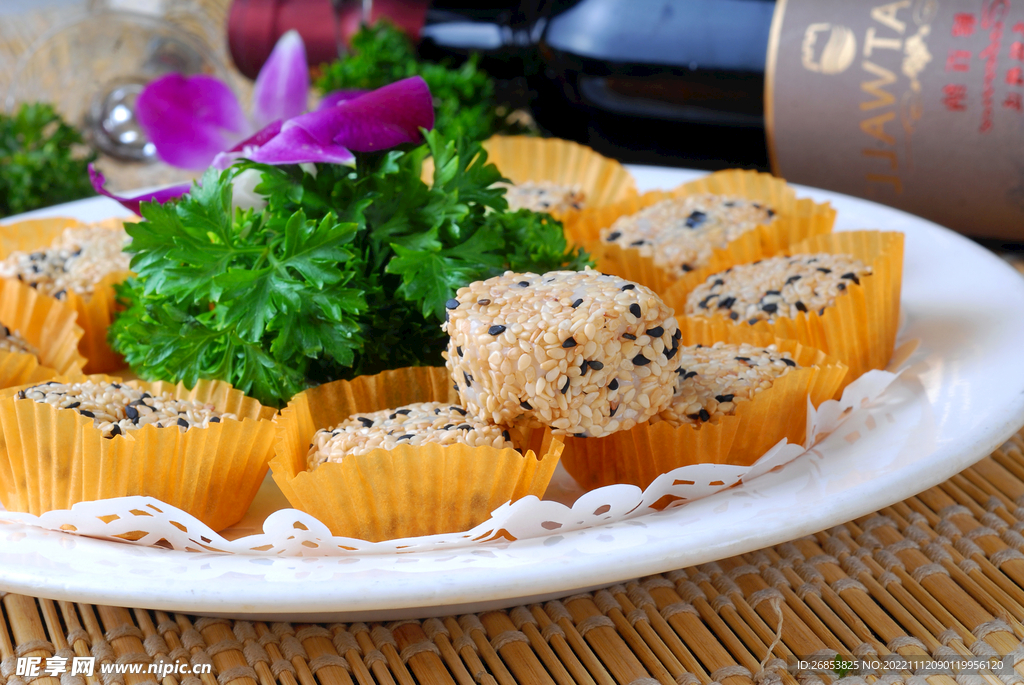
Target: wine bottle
913,103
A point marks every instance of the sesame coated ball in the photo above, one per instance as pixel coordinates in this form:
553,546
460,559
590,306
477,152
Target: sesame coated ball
582,352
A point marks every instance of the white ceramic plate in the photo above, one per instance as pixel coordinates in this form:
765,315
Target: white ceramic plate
962,396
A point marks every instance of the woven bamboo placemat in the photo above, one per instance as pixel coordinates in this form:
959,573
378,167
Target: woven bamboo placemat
940,574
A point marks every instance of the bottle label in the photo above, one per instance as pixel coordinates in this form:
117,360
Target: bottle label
918,104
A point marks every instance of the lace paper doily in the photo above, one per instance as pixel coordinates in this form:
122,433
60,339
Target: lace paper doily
291,533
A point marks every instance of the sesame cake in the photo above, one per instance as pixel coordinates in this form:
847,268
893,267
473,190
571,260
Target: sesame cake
780,287
714,380
582,352
11,341
543,196
681,234
116,407
413,424
77,260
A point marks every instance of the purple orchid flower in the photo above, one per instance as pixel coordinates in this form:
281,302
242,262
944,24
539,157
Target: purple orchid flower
190,119
132,203
366,122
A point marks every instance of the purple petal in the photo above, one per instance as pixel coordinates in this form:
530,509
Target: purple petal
333,98
282,86
296,146
380,119
247,147
190,119
132,203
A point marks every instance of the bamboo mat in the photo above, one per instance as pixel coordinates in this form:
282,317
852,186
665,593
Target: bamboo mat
938,575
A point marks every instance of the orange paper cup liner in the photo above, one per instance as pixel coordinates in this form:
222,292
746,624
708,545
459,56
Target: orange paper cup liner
646,451
94,312
52,458
860,328
410,490
603,181
795,220
46,324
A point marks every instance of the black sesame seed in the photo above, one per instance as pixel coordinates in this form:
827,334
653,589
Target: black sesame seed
635,310
771,213
628,286
704,415
696,218
469,379
703,304
687,268
793,279
771,307
734,316
86,413
131,412
800,306
395,416
525,405
656,332
677,335
728,203
524,284
614,236
583,368
742,359
449,426
464,427
496,330
452,304
724,398
569,342
116,430
681,371
718,281
565,388
614,385
404,437
484,302
505,435
851,276
115,385
637,243
183,423
437,411
726,303
458,350
579,435
596,365
821,312
21,394
693,416
753,321
403,412
641,360
771,292
824,270
577,303
629,336
671,353
841,286
613,410
60,294
76,405
690,374
460,410
214,419
788,362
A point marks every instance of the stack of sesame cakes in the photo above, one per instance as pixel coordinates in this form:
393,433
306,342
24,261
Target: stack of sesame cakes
720,311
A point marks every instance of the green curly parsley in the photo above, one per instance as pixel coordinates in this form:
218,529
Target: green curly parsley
343,273
43,160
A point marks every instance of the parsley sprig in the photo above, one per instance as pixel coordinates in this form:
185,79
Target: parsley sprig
343,273
43,160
